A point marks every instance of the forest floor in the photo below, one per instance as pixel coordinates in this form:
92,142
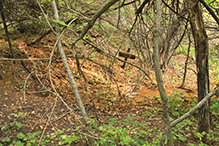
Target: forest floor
43,111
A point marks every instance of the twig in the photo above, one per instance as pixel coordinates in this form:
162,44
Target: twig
139,10
210,10
125,4
48,32
87,87
63,116
93,20
15,70
96,137
173,10
40,119
49,119
6,29
110,55
46,17
16,80
10,59
25,84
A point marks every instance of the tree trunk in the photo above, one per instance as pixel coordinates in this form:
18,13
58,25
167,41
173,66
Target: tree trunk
201,50
6,29
162,91
186,63
70,76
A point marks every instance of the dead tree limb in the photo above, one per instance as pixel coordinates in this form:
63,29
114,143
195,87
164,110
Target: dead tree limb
110,55
210,10
188,114
94,18
126,56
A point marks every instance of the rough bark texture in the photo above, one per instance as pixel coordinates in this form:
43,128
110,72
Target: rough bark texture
70,76
201,49
162,91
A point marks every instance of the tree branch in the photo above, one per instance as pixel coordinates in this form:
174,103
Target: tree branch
139,10
188,114
173,10
210,10
93,20
110,55
70,75
125,4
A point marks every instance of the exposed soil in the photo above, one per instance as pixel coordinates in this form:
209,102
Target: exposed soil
38,105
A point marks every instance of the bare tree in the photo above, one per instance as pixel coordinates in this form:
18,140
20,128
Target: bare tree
70,76
158,71
188,114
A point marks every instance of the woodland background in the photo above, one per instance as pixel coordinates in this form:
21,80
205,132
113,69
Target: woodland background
115,72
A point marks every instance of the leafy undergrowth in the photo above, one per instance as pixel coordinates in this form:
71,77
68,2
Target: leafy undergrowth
129,109
122,130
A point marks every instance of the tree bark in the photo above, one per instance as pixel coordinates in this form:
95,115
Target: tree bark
6,29
70,76
159,79
201,50
170,38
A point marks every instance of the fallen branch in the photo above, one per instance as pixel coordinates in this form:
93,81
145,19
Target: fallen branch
188,114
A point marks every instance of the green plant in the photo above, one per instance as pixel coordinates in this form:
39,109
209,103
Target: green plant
126,132
177,132
9,127
31,139
214,135
69,139
20,114
6,128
